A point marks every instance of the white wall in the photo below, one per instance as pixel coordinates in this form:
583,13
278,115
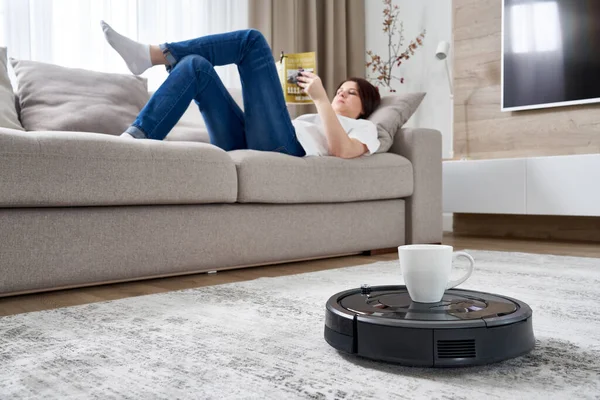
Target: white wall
423,72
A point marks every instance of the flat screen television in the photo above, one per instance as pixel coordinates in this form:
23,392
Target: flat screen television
550,53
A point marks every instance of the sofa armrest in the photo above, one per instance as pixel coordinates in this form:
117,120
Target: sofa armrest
423,148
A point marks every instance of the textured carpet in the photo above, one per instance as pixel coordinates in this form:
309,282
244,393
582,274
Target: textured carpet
263,339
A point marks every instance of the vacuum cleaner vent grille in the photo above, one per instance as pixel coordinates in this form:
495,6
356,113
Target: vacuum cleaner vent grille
456,348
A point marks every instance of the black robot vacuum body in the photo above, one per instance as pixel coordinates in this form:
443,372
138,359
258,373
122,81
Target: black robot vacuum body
465,328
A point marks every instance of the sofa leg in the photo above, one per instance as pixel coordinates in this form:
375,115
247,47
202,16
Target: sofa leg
388,250
377,252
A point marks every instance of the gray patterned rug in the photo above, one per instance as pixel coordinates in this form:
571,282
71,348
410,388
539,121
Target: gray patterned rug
263,339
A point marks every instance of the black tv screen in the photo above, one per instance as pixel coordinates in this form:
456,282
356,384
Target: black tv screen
550,53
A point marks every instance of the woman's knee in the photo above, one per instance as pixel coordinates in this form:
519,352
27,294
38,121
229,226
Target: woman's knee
255,35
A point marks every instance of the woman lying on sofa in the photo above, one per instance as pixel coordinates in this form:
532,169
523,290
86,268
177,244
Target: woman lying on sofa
339,129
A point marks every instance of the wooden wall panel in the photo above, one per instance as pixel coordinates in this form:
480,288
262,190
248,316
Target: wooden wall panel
481,130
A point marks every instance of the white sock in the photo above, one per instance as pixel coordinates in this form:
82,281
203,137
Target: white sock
135,54
126,135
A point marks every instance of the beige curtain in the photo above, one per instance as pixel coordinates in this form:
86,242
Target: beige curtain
335,29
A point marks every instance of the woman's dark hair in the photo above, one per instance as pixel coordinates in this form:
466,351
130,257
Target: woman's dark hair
369,95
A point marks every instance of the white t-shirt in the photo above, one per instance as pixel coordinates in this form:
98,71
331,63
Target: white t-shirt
311,133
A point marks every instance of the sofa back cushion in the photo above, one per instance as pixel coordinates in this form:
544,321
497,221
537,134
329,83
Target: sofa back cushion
8,113
393,112
55,98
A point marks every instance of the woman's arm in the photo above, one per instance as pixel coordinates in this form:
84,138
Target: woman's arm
340,145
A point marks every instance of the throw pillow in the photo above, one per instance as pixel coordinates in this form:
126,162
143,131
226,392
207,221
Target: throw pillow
8,113
392,113
55,98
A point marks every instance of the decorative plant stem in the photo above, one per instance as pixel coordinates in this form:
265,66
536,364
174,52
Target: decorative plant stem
383,70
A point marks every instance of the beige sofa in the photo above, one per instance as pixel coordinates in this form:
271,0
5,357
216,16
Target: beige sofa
80,208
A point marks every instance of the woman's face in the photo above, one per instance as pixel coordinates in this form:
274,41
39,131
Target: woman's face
347,101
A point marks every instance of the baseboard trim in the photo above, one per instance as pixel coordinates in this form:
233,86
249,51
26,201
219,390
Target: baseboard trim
540,227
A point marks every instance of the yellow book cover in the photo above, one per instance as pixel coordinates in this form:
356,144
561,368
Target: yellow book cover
288,67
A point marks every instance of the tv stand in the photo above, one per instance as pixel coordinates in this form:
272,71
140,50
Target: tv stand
556,185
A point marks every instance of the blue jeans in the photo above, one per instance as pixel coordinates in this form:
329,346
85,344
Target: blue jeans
265,123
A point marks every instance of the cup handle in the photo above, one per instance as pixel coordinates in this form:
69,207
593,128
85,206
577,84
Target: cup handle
457,282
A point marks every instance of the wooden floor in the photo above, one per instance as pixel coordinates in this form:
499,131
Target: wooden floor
64,298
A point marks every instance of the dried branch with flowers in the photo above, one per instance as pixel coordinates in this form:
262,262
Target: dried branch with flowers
382,69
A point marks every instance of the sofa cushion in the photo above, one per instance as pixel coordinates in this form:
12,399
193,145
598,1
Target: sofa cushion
55,98
268,177
47,169
393,112
8,113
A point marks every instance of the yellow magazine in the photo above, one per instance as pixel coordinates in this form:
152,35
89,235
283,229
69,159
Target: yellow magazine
288,67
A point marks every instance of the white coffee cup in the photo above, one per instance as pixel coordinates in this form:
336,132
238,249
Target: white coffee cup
426,270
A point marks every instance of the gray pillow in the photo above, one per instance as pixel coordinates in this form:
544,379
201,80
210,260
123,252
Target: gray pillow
55,98
392,113
8,113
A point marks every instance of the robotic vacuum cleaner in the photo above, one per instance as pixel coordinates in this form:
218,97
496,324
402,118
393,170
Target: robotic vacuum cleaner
466,328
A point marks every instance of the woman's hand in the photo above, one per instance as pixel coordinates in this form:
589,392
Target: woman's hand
311,84
338,142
